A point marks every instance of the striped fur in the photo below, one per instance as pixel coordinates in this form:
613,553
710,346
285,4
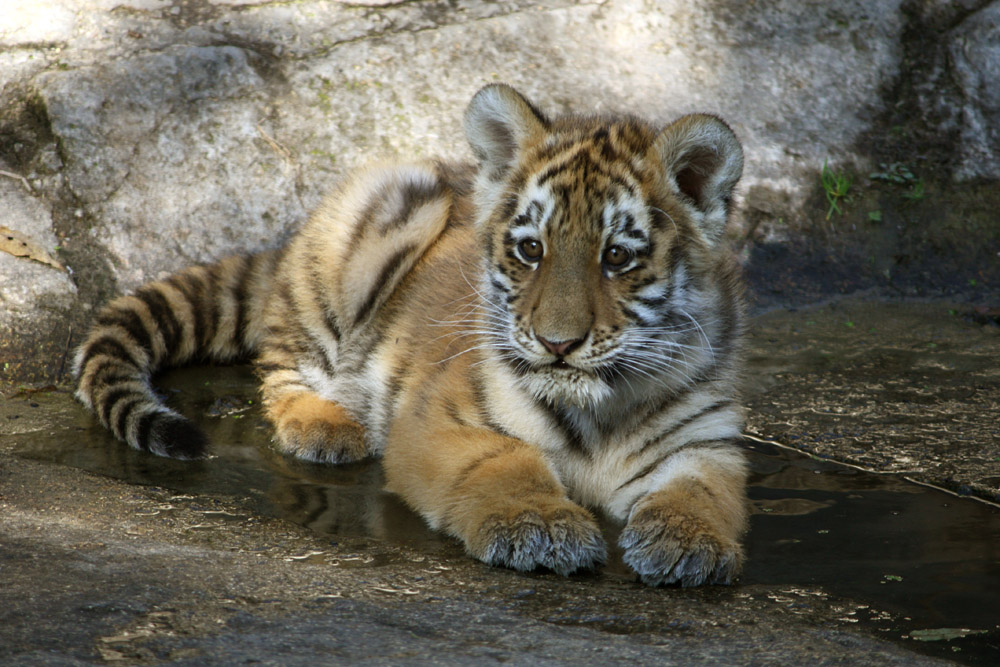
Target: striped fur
555,330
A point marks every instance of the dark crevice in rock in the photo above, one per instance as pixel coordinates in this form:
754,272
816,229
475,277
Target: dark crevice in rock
24,127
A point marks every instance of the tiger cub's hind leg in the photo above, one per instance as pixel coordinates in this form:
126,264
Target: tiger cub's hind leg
336,275
307,425
311,427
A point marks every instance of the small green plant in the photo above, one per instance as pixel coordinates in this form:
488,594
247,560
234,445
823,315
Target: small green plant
916,192
894,172
836,185
874,216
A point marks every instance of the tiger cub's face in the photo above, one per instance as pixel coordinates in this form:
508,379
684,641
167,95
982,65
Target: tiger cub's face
601,269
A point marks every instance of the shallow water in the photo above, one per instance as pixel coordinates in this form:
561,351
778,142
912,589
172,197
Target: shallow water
920,566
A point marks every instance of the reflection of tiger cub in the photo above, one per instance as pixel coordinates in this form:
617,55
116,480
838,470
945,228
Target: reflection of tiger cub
556,329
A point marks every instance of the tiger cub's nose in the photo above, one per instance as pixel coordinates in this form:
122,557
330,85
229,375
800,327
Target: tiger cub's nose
560,348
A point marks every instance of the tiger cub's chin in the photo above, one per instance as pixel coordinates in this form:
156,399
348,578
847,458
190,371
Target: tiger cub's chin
567,385
387,324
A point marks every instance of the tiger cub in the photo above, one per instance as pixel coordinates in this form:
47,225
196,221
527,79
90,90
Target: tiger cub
554,330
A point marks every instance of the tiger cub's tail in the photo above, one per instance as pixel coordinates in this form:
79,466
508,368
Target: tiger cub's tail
209,313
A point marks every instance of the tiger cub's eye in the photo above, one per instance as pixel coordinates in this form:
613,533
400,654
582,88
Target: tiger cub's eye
616,256
531,249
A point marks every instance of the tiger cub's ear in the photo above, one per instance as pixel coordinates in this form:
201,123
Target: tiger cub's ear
702,161
499,122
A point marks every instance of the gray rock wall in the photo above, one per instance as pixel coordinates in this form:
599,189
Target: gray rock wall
151,134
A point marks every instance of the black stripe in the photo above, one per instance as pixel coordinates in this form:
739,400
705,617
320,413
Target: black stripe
112,397
464,474
193,291
583,161
632,315
240,295
624,223
451,409
163,315
385,275
573,436
632,134
121,423
508,206
646,282
675,255
655,464
280,346
205,281
679,425
414,195
608,151
130,321
623,184
488,247
322,292
330,320
479,399
111,347
214,300
399,374
270,368
211,303
554,170
283,291
588,168
111,373
653,302
317,354
498,286
562,195
548,152
144,428
645,471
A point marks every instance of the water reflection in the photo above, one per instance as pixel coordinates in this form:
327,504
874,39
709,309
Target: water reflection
920,559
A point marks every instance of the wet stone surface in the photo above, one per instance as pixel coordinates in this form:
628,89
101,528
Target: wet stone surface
249,555
912,389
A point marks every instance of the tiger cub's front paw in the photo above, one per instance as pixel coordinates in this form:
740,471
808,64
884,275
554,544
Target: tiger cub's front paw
562,537
674,546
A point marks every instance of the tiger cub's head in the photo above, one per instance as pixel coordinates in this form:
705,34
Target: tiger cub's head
604,268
